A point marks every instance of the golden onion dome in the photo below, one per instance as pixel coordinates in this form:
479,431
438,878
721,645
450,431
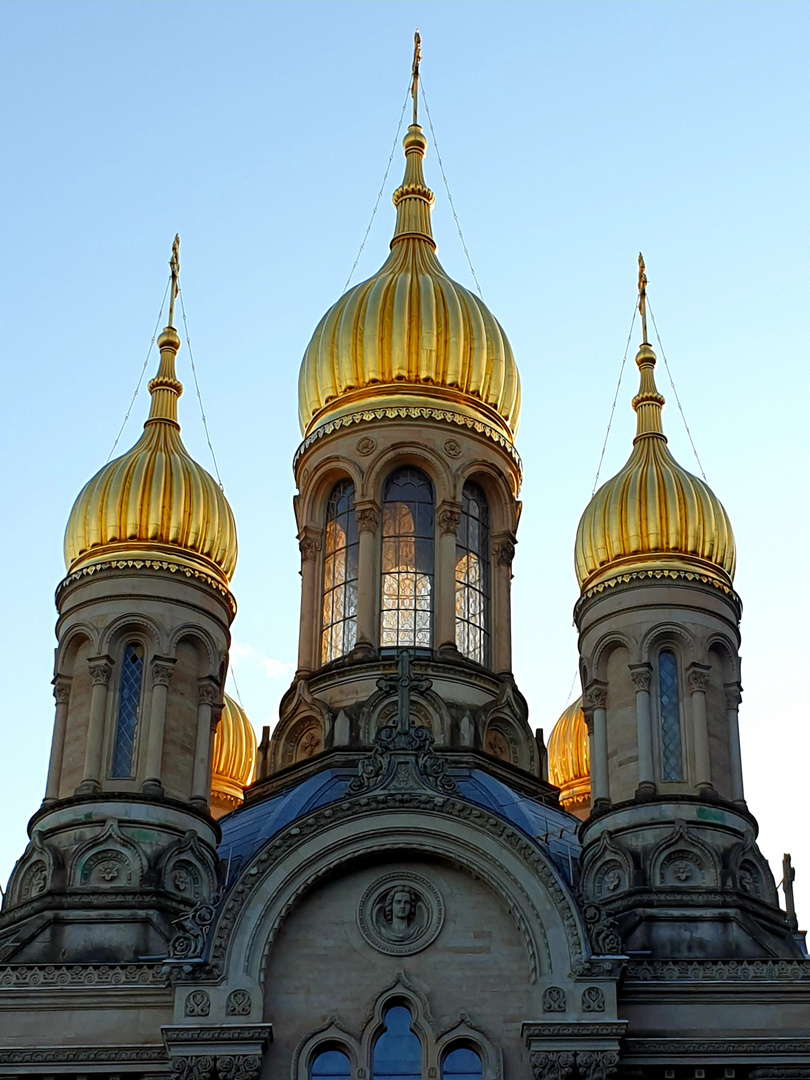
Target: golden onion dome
653,516
234,757
569,766
410,337
155,503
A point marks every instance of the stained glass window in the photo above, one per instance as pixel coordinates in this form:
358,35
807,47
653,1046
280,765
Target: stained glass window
472,576
339,625
331,1065
669,699
129,707
407,561
397,1052
462,1064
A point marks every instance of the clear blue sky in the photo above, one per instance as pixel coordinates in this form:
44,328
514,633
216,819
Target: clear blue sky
573,135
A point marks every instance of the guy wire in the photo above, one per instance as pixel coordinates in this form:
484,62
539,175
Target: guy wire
199,395
615,399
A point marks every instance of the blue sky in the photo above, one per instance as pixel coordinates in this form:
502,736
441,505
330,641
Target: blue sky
572,134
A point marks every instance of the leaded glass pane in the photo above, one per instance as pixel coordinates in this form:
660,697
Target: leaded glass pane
339,626
397,1052
407,561
129,705
462,1064
331,1064
472,576
669,698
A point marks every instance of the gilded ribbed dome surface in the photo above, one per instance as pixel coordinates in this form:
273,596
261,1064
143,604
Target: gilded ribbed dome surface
653,515
569,766
410,335
155,502
234,757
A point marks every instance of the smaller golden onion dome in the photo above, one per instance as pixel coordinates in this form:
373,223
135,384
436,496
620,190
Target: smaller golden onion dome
234,757
410,337
155,502
569,766
653,514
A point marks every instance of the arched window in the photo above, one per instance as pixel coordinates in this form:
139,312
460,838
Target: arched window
670,706
462,1064
407,561
397,1052
472,576
331,1065
339,626
129,707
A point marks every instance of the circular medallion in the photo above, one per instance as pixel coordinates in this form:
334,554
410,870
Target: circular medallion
400,913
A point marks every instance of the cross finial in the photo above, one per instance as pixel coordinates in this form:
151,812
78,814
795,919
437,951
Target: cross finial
403,682
174,265
642,295
788,877
417,59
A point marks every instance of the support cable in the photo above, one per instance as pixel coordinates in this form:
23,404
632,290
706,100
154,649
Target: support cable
380,192
199,395
613,406
447,189
143,370
232,674
675,392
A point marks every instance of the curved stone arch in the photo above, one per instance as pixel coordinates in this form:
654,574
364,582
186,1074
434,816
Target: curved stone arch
466,1033
194,632
608,869
681,842
602,652
428,708
746,858
507,717
320,484
331,1036
39,870
401,455
400,992
673,634
71,643
300,712
187,869
132,625
722,643
501,499
457,832
110,844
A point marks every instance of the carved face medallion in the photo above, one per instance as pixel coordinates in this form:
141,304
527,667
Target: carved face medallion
400,913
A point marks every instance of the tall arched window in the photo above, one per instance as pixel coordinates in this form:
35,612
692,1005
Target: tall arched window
339,626
670,706
462,1064
397,1052
472,576
407,561
331,1065
129,707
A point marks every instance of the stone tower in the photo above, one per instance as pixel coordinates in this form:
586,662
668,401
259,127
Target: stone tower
124,843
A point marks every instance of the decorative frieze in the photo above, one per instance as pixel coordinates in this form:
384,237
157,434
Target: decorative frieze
551,1064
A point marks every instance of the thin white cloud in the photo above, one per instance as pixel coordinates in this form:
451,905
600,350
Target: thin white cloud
273,669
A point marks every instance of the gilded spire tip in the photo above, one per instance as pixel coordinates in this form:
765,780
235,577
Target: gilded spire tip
417,59
174,266
642,295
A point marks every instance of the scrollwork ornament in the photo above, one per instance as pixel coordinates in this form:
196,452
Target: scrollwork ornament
554,999
365,446
593,999
697,680
551,1064
367,518
309,546
198,1003
597,696
100,672
642,678
239,1066
207,694
449,520
452,448
238,1003
602,930
162,672
193,1067
597,1064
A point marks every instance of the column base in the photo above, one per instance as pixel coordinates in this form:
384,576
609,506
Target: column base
707,792
646,791
601,806
88,787
153,789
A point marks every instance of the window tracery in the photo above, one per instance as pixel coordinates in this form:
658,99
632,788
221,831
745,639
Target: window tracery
340,572
473,576
407,563
670,710
129,705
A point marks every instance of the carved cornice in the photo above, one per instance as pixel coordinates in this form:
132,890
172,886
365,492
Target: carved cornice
715,971
85,1055
754,1047
149,564
178,1034
15,976
636,576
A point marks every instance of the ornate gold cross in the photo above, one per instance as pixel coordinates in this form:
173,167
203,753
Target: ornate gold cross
417,59
174,266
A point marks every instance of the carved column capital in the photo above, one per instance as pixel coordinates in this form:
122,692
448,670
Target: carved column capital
697,678
504,549
309,543
100,668
367,516
597,1064
595,695
61,689
448,516
161,670
733,695
208,693
239,1066
641,674
551,1064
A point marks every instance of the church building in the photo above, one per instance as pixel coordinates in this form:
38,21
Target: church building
401,882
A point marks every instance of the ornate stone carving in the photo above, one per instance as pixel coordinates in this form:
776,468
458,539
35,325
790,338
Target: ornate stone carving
551,1064
452,447
597,1064
365,446
593,999
162,668
367,518
193,1067
208,694
448,518
82,975
505,552
697,679
239,1066
238,1003
596,695
642,677
718,971
61,689
554,999
733,695
400,913
309,544
190,939
681,868
100,671
198,1003
601,930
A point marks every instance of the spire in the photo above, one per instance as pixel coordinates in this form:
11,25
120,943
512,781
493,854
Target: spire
166,388
648,403
413,199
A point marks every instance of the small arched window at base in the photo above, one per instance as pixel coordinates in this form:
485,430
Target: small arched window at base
129,707
462,1064
330,1065
397,1052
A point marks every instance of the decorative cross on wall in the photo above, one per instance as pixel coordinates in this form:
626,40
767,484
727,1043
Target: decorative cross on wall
404,683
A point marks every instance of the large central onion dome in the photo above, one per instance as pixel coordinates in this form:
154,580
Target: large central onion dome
653,516
155,503
410,337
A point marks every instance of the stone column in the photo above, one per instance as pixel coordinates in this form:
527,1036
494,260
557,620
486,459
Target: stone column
61,692
100,671
595,708
310,544
448,517
733,699
367,516
161,669
641,675
209,708
697,678
503,552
